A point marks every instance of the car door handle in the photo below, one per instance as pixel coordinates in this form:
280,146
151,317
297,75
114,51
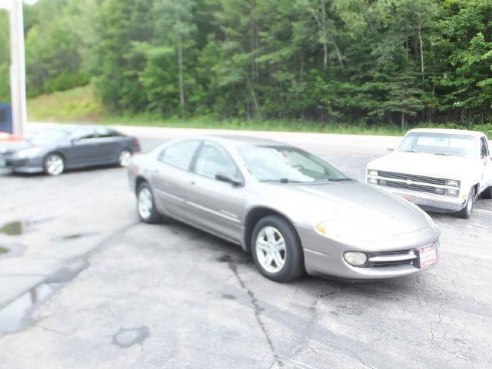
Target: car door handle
193,183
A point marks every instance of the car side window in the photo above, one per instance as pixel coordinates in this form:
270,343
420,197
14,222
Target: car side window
180,154
103,132
84,134
213,160
484,152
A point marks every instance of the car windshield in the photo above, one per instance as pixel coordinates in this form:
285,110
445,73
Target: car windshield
288,164
439,144
47,136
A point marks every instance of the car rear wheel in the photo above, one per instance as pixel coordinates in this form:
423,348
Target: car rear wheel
54,164
276,249
124,157
467,210
146,205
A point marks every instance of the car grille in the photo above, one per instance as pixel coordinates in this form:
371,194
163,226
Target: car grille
392,258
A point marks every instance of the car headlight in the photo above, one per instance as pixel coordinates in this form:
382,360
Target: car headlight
453,183
343,231
355,258
28,153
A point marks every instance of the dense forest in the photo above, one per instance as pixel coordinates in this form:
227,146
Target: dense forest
353,61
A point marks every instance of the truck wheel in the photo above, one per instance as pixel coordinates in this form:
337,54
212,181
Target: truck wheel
487,193
467,210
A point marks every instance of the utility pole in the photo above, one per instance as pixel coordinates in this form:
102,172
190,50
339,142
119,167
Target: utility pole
17,63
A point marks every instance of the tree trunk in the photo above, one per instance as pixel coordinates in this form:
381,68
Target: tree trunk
255,100
421,43
255,79
402,120
324,35
182,100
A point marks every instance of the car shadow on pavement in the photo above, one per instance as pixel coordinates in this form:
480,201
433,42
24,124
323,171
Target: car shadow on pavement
323,285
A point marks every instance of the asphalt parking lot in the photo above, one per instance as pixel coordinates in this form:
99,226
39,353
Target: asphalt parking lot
86,285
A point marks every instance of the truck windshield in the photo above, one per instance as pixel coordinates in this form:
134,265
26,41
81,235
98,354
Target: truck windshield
464,146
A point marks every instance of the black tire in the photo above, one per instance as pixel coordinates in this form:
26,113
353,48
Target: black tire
487,193
151,216
467,210
292,255
54,164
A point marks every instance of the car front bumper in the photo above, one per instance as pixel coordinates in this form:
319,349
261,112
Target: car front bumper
438,203
24,165
323,256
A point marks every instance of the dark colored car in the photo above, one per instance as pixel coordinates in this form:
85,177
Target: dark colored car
55,149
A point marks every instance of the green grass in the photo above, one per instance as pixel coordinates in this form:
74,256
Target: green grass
76,105
3,251
252,125
81,105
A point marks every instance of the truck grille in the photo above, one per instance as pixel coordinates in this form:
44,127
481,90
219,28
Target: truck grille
412,182
411,187
413,178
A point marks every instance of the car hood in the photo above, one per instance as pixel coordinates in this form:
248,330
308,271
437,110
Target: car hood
352,205
449,167
11,147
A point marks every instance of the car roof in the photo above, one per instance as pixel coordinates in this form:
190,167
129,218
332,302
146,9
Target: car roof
74,127
448,131
238,140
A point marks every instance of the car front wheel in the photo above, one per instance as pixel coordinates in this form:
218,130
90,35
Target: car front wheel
146,204
276,249
54,165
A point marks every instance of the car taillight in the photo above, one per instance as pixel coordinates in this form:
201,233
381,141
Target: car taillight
135,142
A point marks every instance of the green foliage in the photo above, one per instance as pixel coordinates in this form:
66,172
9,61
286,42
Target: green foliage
369,63
4,58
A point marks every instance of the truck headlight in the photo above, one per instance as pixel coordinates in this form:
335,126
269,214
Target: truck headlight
371,176
453,183
355,258
452,192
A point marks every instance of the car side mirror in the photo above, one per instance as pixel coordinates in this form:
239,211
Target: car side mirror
223,177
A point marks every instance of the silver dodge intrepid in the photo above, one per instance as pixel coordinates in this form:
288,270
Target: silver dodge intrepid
292,210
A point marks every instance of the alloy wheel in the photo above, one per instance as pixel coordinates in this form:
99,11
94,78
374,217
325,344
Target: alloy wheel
124,158
271,250
54,165
145,203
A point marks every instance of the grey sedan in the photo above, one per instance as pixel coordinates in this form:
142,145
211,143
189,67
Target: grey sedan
58,148
293,211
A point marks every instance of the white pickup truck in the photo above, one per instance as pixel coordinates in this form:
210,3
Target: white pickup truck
442,170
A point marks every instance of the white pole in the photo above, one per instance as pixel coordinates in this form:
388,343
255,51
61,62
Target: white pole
17,66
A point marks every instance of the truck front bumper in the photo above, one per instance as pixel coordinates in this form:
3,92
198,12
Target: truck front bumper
437,203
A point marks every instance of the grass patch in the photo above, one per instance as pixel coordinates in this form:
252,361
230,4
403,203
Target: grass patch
252,125
3,251
76,105
81,105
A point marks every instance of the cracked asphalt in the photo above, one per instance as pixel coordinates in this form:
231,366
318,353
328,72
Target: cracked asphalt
86,285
